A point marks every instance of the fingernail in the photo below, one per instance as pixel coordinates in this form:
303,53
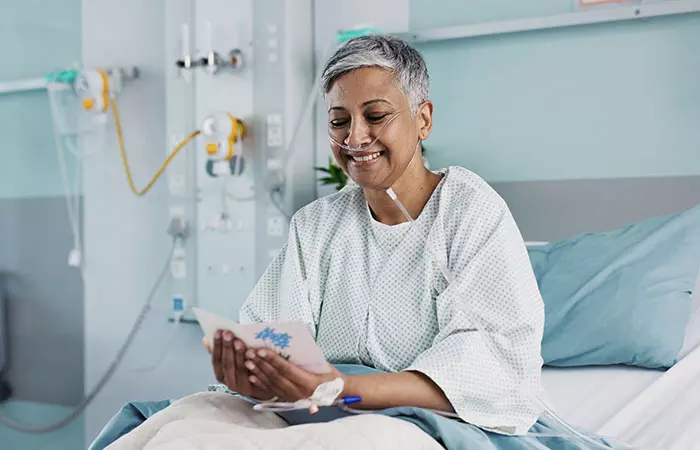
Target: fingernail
262,353
228,337
250,365
217,334
238,345
253,380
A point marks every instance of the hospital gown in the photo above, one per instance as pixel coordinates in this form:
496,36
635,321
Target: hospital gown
412,297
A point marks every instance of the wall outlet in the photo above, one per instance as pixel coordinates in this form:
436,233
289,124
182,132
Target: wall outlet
178,269
178,264
274,131
275,226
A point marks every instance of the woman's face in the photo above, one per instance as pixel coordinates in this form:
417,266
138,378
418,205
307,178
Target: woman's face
367,104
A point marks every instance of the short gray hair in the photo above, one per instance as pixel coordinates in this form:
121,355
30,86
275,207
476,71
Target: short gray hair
385,52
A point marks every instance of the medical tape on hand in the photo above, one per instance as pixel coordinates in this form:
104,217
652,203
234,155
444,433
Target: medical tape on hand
327,393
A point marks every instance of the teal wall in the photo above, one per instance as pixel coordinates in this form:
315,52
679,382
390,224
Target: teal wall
598,101
447,13
36,36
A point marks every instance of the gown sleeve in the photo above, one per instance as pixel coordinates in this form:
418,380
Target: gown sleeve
491,287
282,293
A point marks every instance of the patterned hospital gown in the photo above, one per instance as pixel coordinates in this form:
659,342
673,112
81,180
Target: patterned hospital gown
412,297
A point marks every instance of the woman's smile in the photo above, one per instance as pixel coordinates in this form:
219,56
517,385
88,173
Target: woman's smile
365,160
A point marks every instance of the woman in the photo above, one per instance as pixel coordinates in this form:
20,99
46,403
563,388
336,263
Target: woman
440,296
406,293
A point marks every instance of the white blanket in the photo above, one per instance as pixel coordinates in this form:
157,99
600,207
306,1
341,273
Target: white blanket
215,421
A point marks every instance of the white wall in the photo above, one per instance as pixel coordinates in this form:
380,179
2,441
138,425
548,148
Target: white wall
125,237
330,17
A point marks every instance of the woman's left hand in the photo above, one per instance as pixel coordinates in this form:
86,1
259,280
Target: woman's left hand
287,381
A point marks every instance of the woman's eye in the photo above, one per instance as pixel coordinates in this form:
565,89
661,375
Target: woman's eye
376,117
337,123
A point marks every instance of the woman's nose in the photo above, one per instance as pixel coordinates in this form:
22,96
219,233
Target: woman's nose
359,134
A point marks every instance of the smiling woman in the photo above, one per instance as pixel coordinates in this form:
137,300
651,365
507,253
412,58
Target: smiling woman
376,90
400,271
387,283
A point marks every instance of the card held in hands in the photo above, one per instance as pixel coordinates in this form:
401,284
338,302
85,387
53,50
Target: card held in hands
291,340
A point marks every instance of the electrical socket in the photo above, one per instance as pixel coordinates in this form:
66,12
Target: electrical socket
178,269
274,131
178,264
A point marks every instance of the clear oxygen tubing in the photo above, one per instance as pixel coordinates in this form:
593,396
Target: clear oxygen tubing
114,365
549,412
344,144
63,143
364,150
72,198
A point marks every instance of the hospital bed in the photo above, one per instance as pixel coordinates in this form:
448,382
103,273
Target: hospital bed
643,407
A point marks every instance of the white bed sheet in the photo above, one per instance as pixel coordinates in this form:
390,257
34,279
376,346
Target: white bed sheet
588,397
642,407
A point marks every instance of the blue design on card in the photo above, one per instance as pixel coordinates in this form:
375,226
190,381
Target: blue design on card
278,340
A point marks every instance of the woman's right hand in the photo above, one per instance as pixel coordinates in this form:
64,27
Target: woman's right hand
227,358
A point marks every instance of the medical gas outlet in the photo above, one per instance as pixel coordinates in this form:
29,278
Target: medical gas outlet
222,132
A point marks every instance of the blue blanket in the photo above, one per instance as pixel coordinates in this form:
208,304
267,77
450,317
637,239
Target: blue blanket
452,434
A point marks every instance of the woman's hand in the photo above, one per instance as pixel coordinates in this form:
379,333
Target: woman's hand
227,358
274,374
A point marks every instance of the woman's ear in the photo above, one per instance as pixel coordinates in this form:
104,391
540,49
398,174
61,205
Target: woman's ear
425,120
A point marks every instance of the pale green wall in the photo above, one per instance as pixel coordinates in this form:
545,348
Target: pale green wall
600,101
36,37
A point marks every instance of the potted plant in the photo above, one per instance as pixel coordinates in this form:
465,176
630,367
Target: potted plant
334,175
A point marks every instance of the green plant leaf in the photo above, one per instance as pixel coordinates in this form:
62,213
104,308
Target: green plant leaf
336,175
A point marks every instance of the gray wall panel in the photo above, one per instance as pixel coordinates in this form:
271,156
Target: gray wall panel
45,301
549,210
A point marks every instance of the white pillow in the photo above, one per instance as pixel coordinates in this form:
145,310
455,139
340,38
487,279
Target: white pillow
692,332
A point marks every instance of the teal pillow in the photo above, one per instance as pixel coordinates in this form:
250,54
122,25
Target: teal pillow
621,297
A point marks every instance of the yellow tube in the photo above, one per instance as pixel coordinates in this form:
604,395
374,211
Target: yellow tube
125,160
